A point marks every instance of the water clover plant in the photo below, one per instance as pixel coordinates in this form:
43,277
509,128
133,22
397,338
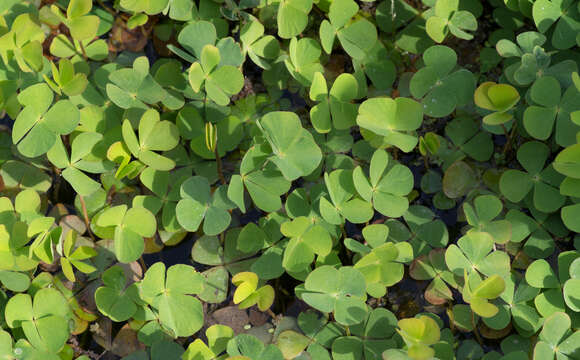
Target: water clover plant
72,256
338,291
388,185
306,240
168,292
499,98
66,79
259,47
516,184
154,135
303,60
220,82
334,104
370,338
357,36
474,253
551,110
22,42
432,267
40,122
343,204
248,294
289,179
423,231
81,147
197,204
134,87
293,148
556,338
383,266
478,293
81,23
402,115
130,226
558,293
448,18
116,298
481,217
547,13
466,136
515,306
419,333
43,318
438,77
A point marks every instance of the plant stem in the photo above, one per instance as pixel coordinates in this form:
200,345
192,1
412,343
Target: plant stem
220,171
451,319
343,231
110,194
107,9
86,216
271,313
57,183
475,329
510,138
142,263
83,50
505,131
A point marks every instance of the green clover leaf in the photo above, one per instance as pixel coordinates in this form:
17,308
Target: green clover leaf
343,204
39,124
292,17
295,152
448,18
388,186
516,184
474,253
357,35
440,88
116,299
130,227
481,218
564,14
43,320
340,291
392,120
169,293
306,240
432,267
335,104
220,82
304,60
197,204
154,135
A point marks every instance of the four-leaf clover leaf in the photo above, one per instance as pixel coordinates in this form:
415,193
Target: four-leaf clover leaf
220,81
335,104
341,291
388,187
197,204
169,293
130,227
39,124
516,184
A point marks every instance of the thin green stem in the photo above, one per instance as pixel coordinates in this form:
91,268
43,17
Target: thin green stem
220,170
107,9
477,336
86,216
509,137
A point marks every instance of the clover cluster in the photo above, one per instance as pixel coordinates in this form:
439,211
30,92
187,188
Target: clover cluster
289,179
